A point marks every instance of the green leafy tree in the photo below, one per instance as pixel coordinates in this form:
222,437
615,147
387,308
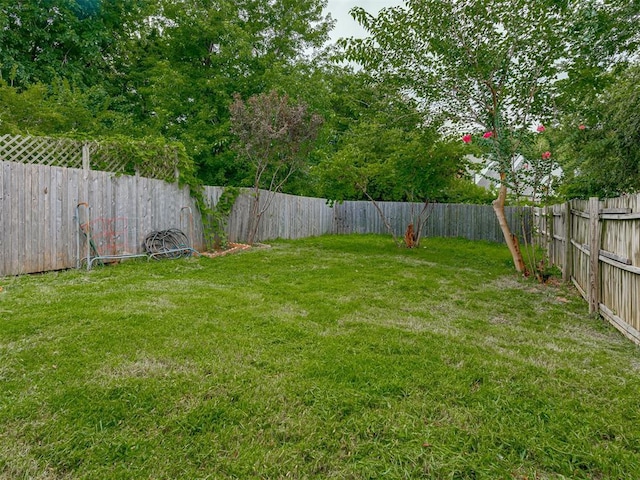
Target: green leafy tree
600,144
382,162
39,109
71,39
388,164
384,153
485,66
274,137
182,75
601,35
157,68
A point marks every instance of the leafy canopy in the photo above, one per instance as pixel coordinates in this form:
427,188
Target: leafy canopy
72,39
490,64
383,151
600,143
501,66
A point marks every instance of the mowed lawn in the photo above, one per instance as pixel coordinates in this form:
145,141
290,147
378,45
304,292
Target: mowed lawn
331,357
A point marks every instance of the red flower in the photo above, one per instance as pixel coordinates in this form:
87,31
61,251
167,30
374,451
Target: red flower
487,135
540,128
546,155
466,138
581,127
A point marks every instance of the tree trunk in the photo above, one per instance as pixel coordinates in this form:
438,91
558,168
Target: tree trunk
509,237
384,219
254,216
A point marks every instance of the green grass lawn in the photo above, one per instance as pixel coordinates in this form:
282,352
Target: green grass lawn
332,357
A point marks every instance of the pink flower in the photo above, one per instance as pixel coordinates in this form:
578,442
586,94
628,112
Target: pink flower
526,166
546,155
466,138
581,127
540,128
487,135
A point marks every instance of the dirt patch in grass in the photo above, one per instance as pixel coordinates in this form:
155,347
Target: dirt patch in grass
232,248
146,367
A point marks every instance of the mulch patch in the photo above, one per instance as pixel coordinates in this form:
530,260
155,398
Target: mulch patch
231,248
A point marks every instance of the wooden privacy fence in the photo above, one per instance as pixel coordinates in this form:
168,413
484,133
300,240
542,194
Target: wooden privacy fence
473,222
291,216
39,205
596,244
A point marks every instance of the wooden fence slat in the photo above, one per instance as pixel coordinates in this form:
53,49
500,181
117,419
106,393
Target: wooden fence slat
567,265
5,217
594,260
608,211
16,222
60,217
20,226
37,211
2,226
613,256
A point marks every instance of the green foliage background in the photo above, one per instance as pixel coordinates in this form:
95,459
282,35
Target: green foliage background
168,70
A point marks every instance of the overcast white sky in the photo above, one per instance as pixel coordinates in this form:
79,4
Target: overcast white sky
347,26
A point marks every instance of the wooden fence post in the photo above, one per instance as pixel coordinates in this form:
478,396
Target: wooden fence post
594,254
548,215
567,267
176,168
86,158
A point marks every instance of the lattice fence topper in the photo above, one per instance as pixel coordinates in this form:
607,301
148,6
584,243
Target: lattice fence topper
59,152
161,162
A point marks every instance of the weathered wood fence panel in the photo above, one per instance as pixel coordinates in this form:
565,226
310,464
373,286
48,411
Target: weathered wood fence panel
287,216
291,217
39,205
596,243
474,222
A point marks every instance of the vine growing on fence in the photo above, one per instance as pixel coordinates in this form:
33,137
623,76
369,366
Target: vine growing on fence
150,157
216,218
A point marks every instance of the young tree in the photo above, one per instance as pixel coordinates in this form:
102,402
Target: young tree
483,65
384,163
274,137
383,152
